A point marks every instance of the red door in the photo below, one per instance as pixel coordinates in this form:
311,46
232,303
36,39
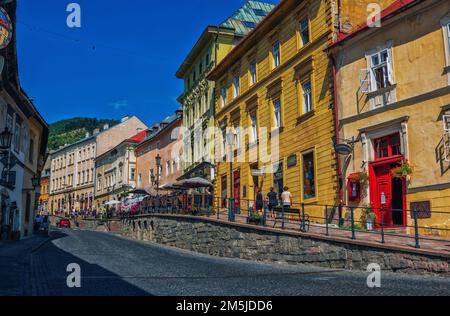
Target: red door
384,194
237,188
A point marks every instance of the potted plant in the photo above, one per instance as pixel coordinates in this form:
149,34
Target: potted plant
360,177
403,171
370,217
254,218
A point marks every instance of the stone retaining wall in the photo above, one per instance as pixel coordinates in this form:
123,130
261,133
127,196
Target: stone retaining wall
215,238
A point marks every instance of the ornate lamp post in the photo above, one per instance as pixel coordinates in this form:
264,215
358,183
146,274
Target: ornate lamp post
230,139
5,140
158,167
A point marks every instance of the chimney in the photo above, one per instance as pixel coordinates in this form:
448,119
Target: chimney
87,134
96,131
125,118
105,127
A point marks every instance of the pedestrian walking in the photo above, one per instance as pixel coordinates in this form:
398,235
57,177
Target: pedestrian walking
272,196
286,198
259,201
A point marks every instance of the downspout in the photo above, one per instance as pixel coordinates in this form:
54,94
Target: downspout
336,126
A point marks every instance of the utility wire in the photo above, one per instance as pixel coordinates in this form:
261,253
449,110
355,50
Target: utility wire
91,45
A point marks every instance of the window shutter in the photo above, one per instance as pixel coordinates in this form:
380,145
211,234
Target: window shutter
390,70
365,80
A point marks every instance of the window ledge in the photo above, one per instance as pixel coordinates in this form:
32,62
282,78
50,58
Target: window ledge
381,91
304,117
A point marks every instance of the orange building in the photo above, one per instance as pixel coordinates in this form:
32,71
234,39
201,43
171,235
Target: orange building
163,139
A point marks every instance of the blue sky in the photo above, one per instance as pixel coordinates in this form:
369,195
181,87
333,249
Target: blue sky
121,61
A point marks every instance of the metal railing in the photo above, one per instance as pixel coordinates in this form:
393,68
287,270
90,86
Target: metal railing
340,221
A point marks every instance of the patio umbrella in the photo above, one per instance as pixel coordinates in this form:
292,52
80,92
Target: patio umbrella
113,202
194,183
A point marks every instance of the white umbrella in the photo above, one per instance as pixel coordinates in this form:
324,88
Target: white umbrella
194,183
113,202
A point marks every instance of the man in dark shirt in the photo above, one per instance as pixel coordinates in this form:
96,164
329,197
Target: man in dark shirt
273,201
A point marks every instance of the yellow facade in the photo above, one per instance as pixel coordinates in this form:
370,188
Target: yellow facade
412,105
301,132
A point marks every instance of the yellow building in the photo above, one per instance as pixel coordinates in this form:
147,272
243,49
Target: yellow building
393,96
197,99
274,91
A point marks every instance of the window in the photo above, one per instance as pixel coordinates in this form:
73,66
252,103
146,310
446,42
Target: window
254,124
236,84
250,24
17,137
223,94
31,151
276,54
237,137
381,70
167,168
140,179
309,176
304,32
253,74
133,174
173,166
259,12
277,113
307,96
388,146
200,69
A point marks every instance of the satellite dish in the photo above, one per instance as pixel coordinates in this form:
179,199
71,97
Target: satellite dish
343,149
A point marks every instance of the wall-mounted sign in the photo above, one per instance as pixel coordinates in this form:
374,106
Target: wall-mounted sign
423,209
292,161
6,29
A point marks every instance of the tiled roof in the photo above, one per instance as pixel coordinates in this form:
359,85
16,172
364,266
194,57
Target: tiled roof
138,137
248,16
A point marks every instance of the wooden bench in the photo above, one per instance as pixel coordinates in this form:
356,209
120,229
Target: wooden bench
281,213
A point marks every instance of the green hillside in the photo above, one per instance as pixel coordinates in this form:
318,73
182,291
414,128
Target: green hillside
72,130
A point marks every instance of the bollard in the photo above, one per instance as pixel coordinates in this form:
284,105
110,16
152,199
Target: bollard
416,228
352,214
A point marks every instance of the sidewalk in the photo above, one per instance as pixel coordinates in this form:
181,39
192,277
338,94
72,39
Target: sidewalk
14,265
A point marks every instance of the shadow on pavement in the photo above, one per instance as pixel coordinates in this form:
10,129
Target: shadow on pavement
49,275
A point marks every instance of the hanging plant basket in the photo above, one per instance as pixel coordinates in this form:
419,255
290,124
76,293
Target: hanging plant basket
361,177
403,171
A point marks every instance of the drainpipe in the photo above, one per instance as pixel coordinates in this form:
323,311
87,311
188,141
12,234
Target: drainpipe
336,126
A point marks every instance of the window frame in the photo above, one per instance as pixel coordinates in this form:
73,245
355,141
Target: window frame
301,30
303,174
236,86
388,64
277,121
223,96
253,73
276,62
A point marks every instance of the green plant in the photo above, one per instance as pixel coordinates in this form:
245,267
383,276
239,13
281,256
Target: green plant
404,170
254,217
360,177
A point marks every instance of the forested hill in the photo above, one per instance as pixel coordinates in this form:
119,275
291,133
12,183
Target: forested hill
72,130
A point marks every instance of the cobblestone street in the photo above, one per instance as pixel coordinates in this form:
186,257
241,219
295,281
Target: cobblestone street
112,265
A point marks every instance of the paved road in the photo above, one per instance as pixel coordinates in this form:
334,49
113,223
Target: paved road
111,265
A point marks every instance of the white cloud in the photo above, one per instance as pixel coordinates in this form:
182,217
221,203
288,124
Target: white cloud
119,104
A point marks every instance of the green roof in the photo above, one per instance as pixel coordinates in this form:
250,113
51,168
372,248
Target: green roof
248,16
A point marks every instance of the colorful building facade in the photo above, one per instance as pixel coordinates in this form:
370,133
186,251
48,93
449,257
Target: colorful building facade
163,140
393,96
197,99
115,170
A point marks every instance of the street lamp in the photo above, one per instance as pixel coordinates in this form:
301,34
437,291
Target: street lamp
158,167
5,139
230,138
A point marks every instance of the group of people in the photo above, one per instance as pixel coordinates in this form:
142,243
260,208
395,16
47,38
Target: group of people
273,200
41,224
